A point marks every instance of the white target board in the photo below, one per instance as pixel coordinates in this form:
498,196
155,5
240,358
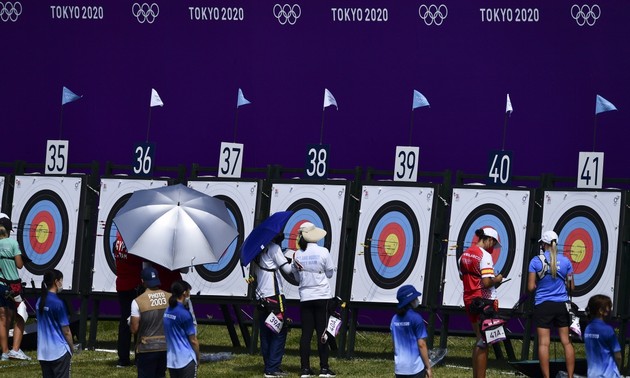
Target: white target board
227,277
46,211
114,193
588,226
2,181
393,239
324,205
508,212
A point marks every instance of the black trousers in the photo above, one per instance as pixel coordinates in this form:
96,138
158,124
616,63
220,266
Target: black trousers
124,333
314,316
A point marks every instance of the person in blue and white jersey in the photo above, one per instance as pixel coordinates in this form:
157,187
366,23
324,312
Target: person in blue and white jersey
54,339
182,346
411,355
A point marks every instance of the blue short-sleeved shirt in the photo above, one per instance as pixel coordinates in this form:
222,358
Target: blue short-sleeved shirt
178,325
548,288
406,330
601,344
51,343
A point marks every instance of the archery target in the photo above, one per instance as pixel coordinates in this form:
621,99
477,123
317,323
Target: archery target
227,277
392,241
587,224
508,212
323,205
113,195
47,212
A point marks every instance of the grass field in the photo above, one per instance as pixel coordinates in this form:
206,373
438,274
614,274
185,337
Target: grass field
372,358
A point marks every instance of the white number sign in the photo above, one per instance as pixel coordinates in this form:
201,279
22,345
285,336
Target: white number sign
590,170
56,157
231,160
406,166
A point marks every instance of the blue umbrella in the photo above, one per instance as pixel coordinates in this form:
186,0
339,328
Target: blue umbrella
260,236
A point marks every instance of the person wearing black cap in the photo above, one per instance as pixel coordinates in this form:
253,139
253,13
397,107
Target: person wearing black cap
411,355
147,312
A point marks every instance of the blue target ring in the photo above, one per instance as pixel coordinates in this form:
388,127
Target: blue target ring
582,238
220,270
392,244
43,231
490,215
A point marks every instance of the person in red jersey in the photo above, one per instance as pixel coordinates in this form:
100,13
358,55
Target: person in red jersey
477,273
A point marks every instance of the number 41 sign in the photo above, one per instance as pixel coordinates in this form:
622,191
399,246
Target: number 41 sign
590,170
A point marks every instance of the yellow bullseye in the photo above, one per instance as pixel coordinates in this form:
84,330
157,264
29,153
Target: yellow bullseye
578,251
391,245
41,232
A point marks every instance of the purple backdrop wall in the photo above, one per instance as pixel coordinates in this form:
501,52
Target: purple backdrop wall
550,65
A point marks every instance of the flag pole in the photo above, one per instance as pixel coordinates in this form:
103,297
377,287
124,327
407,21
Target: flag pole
60,122
505,121
411,127
594,130
149,126
321,129
235,123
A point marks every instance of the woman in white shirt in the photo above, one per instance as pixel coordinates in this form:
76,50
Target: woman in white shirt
313,267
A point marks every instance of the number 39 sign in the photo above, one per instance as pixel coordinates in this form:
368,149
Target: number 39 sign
406,167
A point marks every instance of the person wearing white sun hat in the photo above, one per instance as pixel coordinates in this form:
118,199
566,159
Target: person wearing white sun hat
550,275
313,267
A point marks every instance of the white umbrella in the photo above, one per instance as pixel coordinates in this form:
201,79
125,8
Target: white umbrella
175,226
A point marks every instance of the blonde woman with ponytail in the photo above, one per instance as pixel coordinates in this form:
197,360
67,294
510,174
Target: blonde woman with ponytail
550,275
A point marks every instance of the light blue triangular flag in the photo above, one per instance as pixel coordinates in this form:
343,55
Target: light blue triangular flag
241,100
603,105
419,100
329,99
68,96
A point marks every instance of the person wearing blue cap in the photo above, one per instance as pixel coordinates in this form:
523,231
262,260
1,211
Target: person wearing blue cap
411,355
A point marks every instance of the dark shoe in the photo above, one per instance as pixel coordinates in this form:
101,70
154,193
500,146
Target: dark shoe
278,373
306,373
327,373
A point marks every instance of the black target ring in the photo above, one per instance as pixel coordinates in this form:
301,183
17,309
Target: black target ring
43,231
109,234
219,271
393,233
582,222
496,217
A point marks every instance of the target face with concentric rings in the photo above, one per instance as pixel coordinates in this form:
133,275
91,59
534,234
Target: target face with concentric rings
509,213
47,210
44,236
221,270
393,238
114,193
321,204
226,277
587,224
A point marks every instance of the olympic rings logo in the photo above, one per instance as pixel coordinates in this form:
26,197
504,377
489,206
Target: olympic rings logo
585,14
10,11
433,14
287,13
145,12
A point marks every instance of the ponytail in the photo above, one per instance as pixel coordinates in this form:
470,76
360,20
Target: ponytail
50,276
177,290
553,254
301,242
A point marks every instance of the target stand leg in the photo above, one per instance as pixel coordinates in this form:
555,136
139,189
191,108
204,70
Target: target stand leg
230,326
242,326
